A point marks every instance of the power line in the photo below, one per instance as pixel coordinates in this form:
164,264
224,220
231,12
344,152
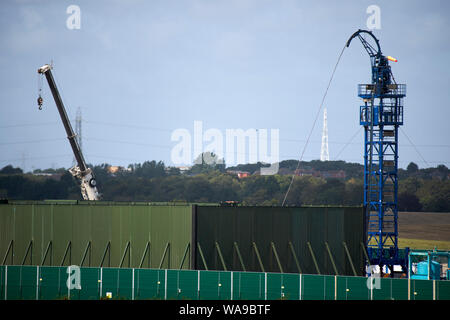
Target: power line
417,150
38,157
126,125
314,124
27,125
349,142
31,141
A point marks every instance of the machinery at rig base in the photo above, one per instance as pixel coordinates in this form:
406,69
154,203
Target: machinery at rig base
381,115
80,171
429,265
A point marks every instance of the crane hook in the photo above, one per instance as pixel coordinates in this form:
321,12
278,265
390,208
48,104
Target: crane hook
40,101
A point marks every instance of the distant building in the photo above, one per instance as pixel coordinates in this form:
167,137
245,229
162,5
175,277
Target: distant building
116,169
332,174
53,176
239,174
243,174
305,172
184,169
337,174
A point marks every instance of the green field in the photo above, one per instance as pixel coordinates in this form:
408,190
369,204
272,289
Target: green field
423,244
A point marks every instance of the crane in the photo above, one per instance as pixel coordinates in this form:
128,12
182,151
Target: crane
381,115
80,171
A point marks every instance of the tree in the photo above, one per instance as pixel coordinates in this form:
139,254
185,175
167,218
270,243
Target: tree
409,202
434,195
412,168
206,162
9,169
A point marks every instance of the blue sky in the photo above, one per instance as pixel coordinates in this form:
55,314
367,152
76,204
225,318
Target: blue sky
141,69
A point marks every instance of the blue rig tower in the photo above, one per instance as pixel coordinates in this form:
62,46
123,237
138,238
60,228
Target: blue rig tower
381,115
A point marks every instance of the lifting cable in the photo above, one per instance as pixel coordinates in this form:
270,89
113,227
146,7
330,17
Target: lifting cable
313,126
348,142
415,148
40,100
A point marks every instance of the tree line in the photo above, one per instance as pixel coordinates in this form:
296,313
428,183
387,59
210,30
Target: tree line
419,189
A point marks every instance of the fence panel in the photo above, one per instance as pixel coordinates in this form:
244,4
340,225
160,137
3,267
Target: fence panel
399,289
353,288
182,284
90,285
421,290
149,284
314,287
275,286
117,281
50,283
21,283
248,286
443,290
283,286
2,282
215,285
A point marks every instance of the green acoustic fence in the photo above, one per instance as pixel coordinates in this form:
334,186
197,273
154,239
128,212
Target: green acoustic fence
88,283
313,240
101,234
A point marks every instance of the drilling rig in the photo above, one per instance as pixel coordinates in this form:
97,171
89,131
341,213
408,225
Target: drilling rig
80,171
381,115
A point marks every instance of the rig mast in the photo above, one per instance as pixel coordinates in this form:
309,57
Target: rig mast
381,115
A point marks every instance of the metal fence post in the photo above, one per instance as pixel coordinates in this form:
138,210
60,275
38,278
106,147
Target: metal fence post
165,284
265,285
37,283
6,282
335,287
371,288
68,286
434,289
409,287
300,288
198,284
132,286
231,284
101,282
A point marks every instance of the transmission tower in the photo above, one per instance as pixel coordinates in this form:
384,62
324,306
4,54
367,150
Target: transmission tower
324,155
78,121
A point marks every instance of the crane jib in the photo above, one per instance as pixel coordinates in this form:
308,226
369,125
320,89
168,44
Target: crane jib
82,172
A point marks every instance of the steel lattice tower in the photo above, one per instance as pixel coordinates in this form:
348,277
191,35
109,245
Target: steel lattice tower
324,155
381,115
78,122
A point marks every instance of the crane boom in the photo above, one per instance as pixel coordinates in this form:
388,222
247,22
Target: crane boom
81,171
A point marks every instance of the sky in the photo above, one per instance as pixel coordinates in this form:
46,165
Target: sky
140,70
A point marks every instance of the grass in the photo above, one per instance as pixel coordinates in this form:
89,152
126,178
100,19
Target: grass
423,244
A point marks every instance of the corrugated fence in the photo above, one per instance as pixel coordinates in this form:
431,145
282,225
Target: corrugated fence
313,240
49,283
